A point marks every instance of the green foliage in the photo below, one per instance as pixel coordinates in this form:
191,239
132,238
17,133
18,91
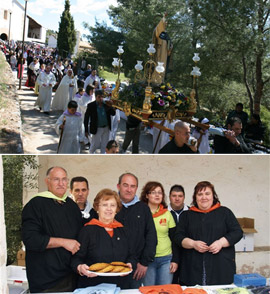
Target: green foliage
134,94
265,118
15,179
67,35
232,38
106,41
111,76
91,58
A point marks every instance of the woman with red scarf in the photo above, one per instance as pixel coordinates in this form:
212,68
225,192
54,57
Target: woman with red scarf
160,271
207,232
103,240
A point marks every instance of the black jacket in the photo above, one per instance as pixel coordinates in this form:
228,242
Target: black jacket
223,145
97,246
208,227
172,148
43,218
91,113
138,220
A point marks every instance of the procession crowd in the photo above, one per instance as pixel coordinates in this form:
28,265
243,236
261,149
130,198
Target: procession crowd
90,121
159,243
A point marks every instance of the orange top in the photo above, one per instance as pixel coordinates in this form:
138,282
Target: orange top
160,211
108,227
217,205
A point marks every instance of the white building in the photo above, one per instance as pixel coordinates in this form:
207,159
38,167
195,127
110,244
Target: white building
82,45
12,20
52,41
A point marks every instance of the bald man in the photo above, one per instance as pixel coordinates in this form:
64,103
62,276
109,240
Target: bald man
50,224
180,142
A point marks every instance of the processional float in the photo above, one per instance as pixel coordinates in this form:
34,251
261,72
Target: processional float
149,98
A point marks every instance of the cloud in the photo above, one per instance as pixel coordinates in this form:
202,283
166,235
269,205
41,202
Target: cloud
90,6
48,12
45,7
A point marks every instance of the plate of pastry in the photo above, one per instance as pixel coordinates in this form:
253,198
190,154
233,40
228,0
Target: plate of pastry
115,268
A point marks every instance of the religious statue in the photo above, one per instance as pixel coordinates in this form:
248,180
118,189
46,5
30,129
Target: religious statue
163,46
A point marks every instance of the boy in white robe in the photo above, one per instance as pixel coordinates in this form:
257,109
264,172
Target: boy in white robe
69,127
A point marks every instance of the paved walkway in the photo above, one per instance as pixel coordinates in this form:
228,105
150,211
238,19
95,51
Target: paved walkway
38,133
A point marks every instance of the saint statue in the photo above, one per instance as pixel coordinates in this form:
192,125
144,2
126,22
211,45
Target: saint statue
163,46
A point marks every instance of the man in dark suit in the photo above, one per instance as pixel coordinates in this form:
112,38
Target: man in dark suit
232,141
99,113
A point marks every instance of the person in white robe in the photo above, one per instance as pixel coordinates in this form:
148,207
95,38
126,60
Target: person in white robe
65,91
202,137
42,68
46,80
115,120
87,97
93,77
71,131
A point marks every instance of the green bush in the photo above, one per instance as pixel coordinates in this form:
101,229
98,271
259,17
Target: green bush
15,179
265,118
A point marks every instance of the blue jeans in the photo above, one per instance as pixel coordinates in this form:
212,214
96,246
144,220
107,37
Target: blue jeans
158,272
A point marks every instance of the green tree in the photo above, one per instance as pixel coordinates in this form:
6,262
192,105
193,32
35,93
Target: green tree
105,40
232,38
66,40
236,36
15,179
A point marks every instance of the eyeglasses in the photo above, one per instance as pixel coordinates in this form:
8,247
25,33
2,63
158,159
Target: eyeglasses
155,193
58,180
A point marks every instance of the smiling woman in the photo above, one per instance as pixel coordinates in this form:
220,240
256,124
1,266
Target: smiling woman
207,232
160,271
103,241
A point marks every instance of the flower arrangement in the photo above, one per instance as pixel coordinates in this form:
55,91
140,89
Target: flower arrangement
166,95
162,98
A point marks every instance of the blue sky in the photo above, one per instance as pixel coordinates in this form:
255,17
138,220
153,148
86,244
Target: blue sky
48,12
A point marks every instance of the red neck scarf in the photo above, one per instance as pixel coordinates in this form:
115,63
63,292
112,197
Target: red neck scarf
194,208
161,210
112,225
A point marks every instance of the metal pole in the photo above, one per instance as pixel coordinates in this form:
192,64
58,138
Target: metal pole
21,73
10,13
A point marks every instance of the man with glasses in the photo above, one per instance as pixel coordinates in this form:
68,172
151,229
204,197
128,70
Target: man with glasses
50,225
137,217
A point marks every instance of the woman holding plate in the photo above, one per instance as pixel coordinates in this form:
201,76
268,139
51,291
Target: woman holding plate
103,240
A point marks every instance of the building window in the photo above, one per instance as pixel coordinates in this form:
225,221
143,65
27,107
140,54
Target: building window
5,14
